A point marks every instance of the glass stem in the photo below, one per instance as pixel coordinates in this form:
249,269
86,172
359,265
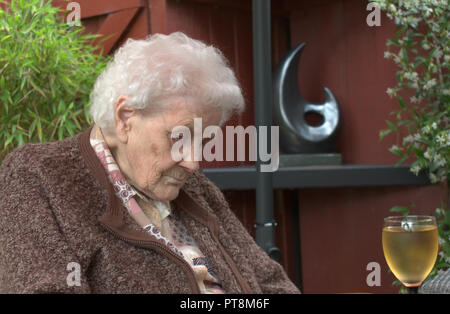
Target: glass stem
413,290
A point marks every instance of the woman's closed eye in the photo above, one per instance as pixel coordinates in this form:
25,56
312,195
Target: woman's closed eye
176,137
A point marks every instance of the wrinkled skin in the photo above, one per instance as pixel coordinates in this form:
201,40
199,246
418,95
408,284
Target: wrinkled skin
141,145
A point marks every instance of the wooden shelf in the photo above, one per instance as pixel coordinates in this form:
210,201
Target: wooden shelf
244,178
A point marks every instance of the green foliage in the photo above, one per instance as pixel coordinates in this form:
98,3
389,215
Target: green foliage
404,210
443,260
47,69
421,50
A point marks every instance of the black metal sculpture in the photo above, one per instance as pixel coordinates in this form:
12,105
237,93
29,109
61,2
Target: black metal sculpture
290,108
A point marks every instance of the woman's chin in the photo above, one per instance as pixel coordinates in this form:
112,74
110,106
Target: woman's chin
169,193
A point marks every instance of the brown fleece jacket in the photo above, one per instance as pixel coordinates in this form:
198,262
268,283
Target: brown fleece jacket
58,207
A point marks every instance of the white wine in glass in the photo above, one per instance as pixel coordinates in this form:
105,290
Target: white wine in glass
410,246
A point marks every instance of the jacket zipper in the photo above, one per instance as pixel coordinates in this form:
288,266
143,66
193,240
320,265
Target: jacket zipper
151,244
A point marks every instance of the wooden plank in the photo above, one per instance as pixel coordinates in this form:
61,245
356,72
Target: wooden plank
139,27
233,4
240,5
115,24
158,16
91,8
296,5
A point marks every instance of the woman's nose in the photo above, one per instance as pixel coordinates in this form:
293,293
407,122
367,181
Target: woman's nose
191,158
190,161
190,165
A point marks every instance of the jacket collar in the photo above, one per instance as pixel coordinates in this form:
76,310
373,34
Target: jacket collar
113,215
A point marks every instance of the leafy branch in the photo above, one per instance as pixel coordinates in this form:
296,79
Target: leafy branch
47,71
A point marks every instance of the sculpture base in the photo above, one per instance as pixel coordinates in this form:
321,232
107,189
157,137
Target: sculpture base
296,160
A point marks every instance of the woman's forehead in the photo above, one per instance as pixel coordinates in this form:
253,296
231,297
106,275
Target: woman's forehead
184,113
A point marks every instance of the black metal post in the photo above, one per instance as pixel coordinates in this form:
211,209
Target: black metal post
262,69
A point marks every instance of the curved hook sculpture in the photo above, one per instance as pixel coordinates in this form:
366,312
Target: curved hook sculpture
290,108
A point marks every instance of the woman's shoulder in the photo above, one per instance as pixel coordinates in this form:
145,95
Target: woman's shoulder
199,184
205,191
38,155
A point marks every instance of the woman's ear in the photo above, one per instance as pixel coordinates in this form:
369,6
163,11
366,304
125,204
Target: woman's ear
122,115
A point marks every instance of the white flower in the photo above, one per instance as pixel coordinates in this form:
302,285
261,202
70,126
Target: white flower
440,138
394,148
413,99
412,76
433,68
427,155
408,139
430,84
434,126
425,46
382,3
438,53
435,28
433,178
443,139
439,160
387,54
414,22
415,169
390,92
426,129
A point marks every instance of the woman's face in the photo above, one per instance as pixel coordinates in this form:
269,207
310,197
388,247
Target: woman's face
146,158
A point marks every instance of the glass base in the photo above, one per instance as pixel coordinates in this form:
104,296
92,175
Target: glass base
413,290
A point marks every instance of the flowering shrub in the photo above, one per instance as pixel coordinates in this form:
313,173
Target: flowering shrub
421,50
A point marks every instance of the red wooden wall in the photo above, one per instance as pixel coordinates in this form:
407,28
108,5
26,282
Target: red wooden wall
340,228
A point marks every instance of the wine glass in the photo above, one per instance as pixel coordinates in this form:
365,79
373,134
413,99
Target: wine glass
410,246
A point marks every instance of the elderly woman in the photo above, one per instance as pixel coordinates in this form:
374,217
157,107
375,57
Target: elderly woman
110,211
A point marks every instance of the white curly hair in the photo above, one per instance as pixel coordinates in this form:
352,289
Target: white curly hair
151,70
